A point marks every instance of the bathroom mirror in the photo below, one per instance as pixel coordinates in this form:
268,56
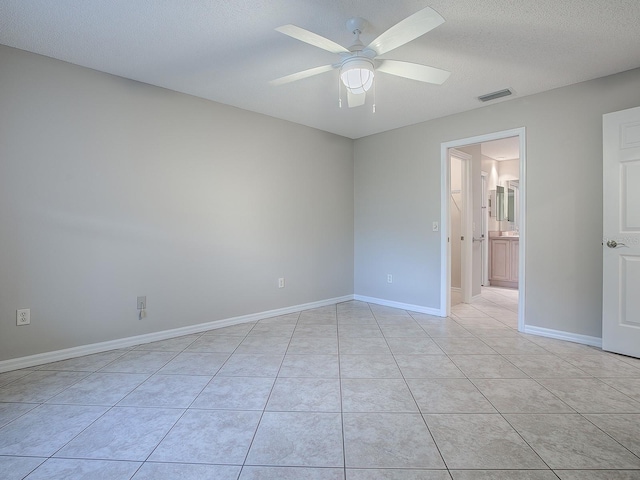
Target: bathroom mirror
507,202
500,210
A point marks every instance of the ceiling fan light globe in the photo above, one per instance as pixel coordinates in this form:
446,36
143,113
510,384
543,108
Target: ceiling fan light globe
357,75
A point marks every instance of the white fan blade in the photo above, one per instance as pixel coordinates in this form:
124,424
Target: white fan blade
355,99
414,71
300,75
311,38
408,29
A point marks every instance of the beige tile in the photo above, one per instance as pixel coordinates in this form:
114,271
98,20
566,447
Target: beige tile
448,395
598,474
514,346
427,366
39,386
17,468
628,386
590,395
515,395
272,330
310,365
317,345
235,393
287,319
572,442
369,366
316,331
216,344
545,366
305,395
602,366
259,344
482,441
298,439
464,346
291,473
208,436
100,389
624,428
175,391
183,471
396,474
59,468
414,346
195,363
123,433
486,366
377,395
364,345
251,365
503,475
389,440
45,429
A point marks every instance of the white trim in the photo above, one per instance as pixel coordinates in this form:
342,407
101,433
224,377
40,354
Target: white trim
403,306
445,277
560,335
67,353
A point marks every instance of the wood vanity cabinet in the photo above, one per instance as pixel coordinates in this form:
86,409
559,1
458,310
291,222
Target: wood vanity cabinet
503,268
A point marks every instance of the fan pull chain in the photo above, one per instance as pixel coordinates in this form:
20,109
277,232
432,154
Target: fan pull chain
374,95
339,92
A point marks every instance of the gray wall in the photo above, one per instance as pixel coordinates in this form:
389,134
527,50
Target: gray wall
397,196
110,189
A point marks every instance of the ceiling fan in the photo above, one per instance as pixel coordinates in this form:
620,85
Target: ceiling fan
358,64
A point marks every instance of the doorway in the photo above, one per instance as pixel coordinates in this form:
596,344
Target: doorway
477,241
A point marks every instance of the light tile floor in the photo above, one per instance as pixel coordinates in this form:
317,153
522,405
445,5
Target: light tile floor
347,392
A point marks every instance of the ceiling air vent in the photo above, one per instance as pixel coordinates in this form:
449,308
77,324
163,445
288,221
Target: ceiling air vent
492,96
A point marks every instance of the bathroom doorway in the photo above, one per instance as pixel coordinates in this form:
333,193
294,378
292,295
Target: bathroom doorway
494,207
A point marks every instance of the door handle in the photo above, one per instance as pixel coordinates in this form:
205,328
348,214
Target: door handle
478,239
614,244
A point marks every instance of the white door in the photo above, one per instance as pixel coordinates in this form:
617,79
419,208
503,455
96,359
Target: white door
461,235
621,232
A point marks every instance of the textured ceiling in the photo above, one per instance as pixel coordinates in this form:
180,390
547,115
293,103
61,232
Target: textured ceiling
228,50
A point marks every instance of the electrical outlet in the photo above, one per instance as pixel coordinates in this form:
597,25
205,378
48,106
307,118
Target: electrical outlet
389,278
142,302
281,283
23,316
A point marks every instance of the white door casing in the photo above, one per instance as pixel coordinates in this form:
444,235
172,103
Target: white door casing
621,232
445,270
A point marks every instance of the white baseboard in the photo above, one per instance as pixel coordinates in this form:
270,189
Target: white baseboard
403,306
560,335
67,353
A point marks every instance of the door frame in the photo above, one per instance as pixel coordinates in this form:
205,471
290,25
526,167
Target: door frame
445,189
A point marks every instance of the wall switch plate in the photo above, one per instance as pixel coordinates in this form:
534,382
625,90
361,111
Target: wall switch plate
389,278
23,316
142,302
281,283
436,226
